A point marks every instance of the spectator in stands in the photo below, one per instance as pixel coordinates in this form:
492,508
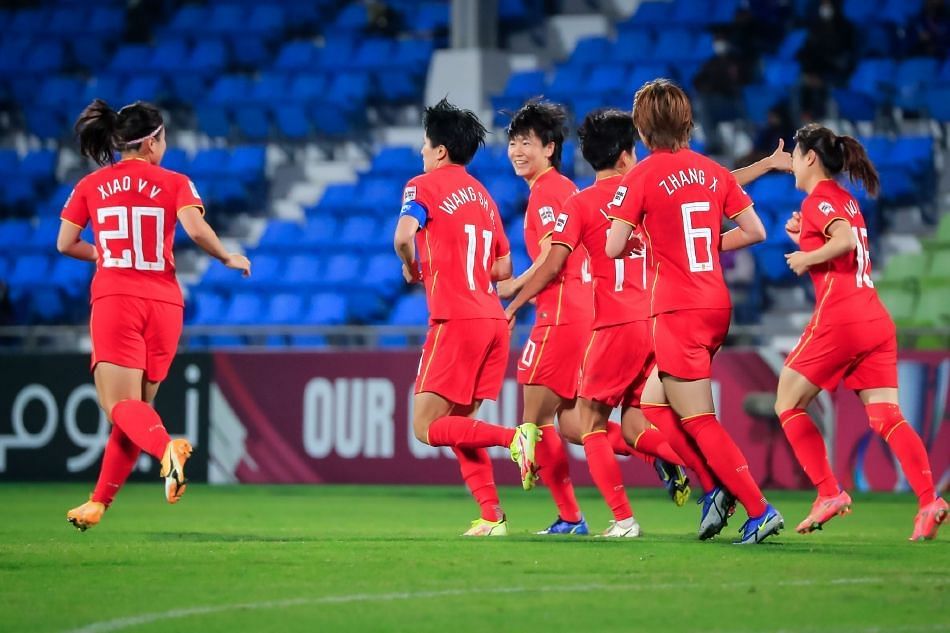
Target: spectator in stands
827,57
383,19
930,31
719,87
777,126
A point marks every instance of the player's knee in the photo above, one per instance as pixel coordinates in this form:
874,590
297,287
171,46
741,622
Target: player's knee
884,417
420,429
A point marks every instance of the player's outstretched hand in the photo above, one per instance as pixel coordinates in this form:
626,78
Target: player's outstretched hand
506,288
780,159
798,262
237,261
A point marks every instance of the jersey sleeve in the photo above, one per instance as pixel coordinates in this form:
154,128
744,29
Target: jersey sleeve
540,217
736,200
187,196
76,209
415,201
819,213
628,203
567,226
502,245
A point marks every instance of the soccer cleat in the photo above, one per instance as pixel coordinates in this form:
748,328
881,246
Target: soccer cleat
560,526
674,479
87,515
756,530
823,510
527,435
928,520
482,527
173,469
716,512
628,528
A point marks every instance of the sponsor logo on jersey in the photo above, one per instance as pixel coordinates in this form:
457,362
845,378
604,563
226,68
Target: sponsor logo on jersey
409,194
619,196
826,208
561,223
547,215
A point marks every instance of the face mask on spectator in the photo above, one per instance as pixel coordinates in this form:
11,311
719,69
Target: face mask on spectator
720,47
826,12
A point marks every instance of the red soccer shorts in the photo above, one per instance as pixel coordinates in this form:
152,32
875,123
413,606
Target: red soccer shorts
135,332
685,341
464,360
552,357
863,354
618,361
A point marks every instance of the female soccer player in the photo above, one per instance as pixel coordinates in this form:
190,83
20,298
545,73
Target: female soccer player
679,198
136,315
833,238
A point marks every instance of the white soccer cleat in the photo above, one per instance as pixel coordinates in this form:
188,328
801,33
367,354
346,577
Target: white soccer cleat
628,528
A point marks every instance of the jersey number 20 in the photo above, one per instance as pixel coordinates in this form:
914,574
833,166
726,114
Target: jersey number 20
121,232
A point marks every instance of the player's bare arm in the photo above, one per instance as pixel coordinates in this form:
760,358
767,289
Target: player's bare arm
204,236
69,242
749,231
404,241
511,287
841,240
619,239
501,269
549,268
779,160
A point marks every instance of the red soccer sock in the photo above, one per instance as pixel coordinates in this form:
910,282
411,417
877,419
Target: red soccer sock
726,460
118,460
606,474
620,446
141,424
478,476
888,421
461,432
553,470
665,419
652,442
809,449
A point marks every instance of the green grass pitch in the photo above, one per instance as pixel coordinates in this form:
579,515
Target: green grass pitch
361,558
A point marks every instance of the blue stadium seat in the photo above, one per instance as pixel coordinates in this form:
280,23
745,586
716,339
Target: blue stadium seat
252,122
353,18
130,59
653,14
280,235
525,84
374,52
299,55
605,79
43,238
168,55
245,308
792,43
326,309
38,165
319,231
267,85
146,88
410,310
337,199
913,75
208,57
781,73
759,99
414,54
342,271
189,20
213,120
384,275
14,234
46,305
17,194
399,161
267,20
50,57
302,271
71,276
28,271
230,89
380,195
219,277
210,163
248,162
176,159
937,100
106,22
285,309
227,19
292,121
359,232
306,88
590,52
430,17
563,85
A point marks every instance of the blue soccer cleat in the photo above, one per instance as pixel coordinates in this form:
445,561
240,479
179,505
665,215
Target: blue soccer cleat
560,526
760,528
716,512
674,479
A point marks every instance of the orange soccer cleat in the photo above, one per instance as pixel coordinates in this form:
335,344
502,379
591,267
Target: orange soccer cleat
823,510
173,469
928,520
87,515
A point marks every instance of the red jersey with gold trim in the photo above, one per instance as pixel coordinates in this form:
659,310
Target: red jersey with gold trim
844,292
567,299
133,206
679,200
619,284
462,237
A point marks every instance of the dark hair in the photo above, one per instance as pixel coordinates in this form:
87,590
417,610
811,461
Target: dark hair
458,130
605,134
838,154
102,131
547,120
663,115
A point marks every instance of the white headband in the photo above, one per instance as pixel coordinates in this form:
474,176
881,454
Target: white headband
139,140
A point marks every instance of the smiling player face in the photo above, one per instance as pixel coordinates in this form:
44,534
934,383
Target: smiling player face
529,156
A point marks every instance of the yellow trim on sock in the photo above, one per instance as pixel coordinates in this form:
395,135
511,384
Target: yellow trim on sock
698,415
584,436
891,432
793,417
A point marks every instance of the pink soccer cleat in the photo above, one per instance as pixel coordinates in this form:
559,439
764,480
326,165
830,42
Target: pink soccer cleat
928,520
823,510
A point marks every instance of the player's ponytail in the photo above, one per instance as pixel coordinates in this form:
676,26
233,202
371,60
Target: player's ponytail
858,164
839,154
102,131
95,128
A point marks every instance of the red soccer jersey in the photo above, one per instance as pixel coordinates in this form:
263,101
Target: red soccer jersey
679,199
462,237
844,292
567,299
133,206
619,284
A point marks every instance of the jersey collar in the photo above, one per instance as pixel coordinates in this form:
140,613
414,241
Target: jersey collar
538,177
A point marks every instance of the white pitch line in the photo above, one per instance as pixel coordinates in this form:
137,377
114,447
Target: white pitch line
118,624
